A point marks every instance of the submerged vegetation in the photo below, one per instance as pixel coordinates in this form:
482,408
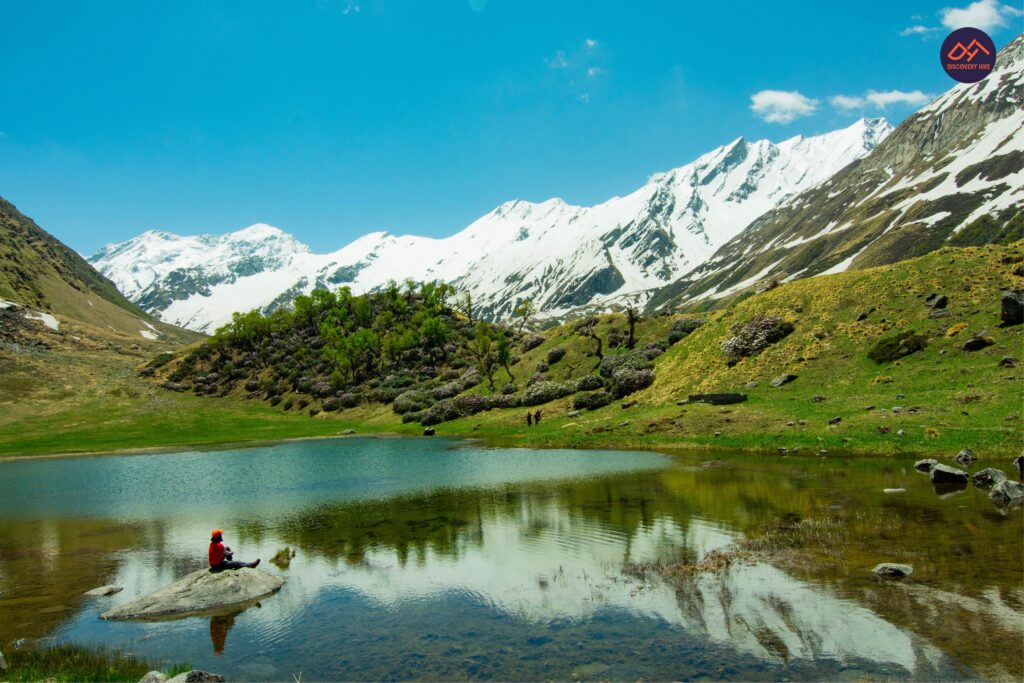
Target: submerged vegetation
70,662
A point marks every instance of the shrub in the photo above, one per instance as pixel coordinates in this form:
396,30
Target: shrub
636,360
331,404
303,403
397,381
654,349
505,401
897,345
542,367
531,341
322,389
591,400
386,394
471,404
442,411
411,401
508,388
288,404
616,338
556,354
534,378
450,390
542,392
683,328
351,399
754,336
628,380
412,417
470,378
589,383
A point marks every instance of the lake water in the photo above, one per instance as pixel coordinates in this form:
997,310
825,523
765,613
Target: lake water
439,559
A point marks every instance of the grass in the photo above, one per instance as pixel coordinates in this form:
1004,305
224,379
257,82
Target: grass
69,662
82,401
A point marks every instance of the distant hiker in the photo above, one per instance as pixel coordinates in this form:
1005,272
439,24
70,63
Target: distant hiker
221,557
536,417
529,419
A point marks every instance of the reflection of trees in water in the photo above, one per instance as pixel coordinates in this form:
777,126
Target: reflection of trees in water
47,565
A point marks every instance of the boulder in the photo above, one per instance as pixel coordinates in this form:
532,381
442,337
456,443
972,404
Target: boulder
835,420
944,474
964,457
349,432
893,570
428,431
153,677
1007,362
977,343
200,591
938,313
783,379
1019,462
197,676
988,477
573,413
925,465
937,301
894,490
752,384
818,398
1011,311
1007,492
718,399
104,590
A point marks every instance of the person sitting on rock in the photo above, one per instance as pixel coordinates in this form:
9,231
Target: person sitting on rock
221,557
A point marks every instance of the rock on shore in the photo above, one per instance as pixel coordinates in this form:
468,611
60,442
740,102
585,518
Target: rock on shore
200,591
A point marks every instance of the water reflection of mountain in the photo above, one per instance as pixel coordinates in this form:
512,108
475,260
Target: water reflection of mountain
549,553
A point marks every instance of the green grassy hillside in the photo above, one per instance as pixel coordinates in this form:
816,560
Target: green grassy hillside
935,400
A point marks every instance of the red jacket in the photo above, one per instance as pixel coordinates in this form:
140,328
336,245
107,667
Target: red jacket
216,553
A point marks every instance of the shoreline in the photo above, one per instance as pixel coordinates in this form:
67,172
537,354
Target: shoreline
492,441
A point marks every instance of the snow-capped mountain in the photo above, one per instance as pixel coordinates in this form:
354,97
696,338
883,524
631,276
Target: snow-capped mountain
950,174
559,256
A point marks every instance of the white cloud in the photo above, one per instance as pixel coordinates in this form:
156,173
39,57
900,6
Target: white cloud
883,99
847,102
584,97
593,71
558,61
880,100
918,30
590,43
988,15
781,106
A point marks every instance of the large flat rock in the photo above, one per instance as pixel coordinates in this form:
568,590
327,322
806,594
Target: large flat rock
200,591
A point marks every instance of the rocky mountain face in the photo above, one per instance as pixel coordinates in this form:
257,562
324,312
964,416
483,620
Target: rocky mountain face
43,280
952,173
559,256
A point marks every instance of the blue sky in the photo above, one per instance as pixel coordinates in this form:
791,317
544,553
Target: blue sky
332,118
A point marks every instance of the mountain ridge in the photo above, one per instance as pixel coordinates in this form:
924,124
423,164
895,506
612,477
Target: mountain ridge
558,255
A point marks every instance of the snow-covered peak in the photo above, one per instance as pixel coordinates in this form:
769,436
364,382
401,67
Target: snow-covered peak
559,255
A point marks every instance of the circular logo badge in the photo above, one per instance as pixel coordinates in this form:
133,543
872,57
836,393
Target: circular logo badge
968,55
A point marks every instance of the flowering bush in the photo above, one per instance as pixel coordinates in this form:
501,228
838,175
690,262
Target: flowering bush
628,380
589,383
556,354
450,390
592,400
531,341
634,359
411,401
542,392
754,336
683,328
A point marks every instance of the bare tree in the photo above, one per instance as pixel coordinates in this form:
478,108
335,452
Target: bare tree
585,328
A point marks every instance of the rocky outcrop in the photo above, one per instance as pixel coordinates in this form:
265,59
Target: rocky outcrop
893,570
988,477
944,474
964,457
925,465
1007,492
200,591
783,379
1012,307
104,590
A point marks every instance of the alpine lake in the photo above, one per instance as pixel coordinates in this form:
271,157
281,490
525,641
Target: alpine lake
442,559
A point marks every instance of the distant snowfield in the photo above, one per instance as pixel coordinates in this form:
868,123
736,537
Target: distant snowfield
558,255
